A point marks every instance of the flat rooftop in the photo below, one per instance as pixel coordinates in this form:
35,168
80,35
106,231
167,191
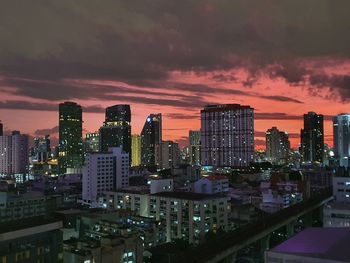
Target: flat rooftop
187,195
323,243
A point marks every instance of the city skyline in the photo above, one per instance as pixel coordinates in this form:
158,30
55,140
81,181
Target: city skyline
193,54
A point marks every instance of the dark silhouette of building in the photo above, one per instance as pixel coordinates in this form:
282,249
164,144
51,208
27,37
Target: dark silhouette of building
116,130
151,138
312,138
1,129
70,136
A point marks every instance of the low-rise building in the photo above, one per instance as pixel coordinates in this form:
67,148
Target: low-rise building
113,249
313,245
213,184
188,215
31,240
25,205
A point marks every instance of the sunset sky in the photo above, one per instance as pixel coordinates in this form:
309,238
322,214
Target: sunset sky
283,58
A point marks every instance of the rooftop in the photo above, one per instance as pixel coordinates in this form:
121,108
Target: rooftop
327,243
187,195
224,107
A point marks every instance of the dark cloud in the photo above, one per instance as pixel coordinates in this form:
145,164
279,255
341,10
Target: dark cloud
43,132
183,116
276,116
25,105
281,98
136,42
338,84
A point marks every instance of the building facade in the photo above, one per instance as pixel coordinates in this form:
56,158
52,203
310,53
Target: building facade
116,130
277,146
104,171
70,137
168,155
136,150
92,142
14,155
41,152
151,138
341,137
227,135
312,138
195,147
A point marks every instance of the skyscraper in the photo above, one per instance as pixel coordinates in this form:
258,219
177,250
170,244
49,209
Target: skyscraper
116,130
227,135
41,152
151,136
70,137
169,155
195,147
341,136
277,146
14,155
92,142
1,129
312,138
136,150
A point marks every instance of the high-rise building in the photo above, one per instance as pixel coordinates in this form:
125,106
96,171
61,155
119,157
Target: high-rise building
227,135
14,155
277,146
1,129
312,138
70,136
136,150
151,138
41,152
341,136
116,130
104,171
92,142
169,155
195,147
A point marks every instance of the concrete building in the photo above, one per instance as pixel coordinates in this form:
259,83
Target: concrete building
213,184
227,135
70,137
186,215
195,147
337,212
277,146
312,138
313,245
161,185
136,150
14,155
113,249
168,155
26,205
104,171
341,138
31,240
